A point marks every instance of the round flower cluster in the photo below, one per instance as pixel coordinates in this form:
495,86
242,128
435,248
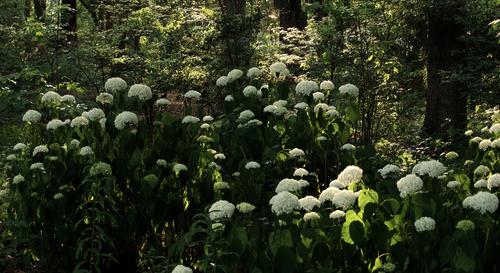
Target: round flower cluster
161,163
495,129
335,183
451,155
37,166
245,116
337,214
279,70
86,150
482,202
409,184
425,224
475,140
284,203
11,157
104,98
453,184
220,185
229,98
348,147
40,149
17,179
244,207
100,168
114,85
310,216
54,124
318,96
481,170
481,183
344,199
190,119
79,121
275,109
351,174
179,168
221,209
182,269
192,94
251,91
51,97
296,152
465,225
301,106
234,75
252,165
309,202
321,106
222,81
141,91
349,89
326,85
432,168
305,88
494,181
162,102
495,143
484,144
68,99
300,172
125,118
468,133
95,114
328,194
387,169
253,72
32,116
19,147
287,184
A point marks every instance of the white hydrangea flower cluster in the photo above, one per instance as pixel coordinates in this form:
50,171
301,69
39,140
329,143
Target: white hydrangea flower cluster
328,194
51,97
54,124
116,84
161,163
465,225
79,121
125,118
162,102
482,202
495,143
481,183
245,116
300,172
409,185
495,129
278,108
229,98
288,184
179,168
141,91
19,147
221,185
192,94
104,98
190,119
101,168
222,81
348,147
252,91
453,184
494,181
32,116
336,184
40,149
388,169
182,269
244,207
85,151
344,199
309,202
475,140
425,224
349,89
234,74
17,179
284,203
337,214
279,70
305,88
301,106
220,210
318,96
37,166
252,165
432,168
296,152
94,114
451,155
481,170
311,216
326,85
351,174
484,144
253,72
68,98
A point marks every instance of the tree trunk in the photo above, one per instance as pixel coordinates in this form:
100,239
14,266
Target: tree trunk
446,99
69,23
291,14
40,8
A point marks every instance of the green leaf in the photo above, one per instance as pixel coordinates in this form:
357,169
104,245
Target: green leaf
392,205
357,232
377,265
285,260
280,238
463,262
367,196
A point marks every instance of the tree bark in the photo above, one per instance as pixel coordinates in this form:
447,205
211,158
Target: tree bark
291,14
446,99
69,23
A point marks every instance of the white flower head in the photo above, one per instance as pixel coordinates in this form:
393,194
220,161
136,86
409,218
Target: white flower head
301,106
495,143
17,179
336,184
54,124
482,202
451,155
68,98
51,97
182,269
287,184
318,96
344,199
494,181
101,168
104,98
245,116
481,183
351,174
179,168
453,184
275,110
321,106
192,94
85,151
208,119
475,139
79,121
115,85
244,207
252,165
409,185
94,114
19,147
296,152
221,209
161,163
481,170
425,224
125,119
234,75
253,72
229,98
11,157
40,149
141,91
387,169
321,138
468,133
328,194
432,168
349,89
220,186
465,225
219,156
162,102
222,81
337,214
278,70
305,88
190,119
326,85
311,216
348,147
300,172
284,203
251,91
205,126
495,129
32,116
37,166
309,202
484,144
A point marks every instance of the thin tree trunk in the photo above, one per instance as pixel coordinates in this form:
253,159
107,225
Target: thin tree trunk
291,14
69,23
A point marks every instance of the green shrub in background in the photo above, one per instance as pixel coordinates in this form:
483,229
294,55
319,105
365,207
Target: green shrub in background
269,185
